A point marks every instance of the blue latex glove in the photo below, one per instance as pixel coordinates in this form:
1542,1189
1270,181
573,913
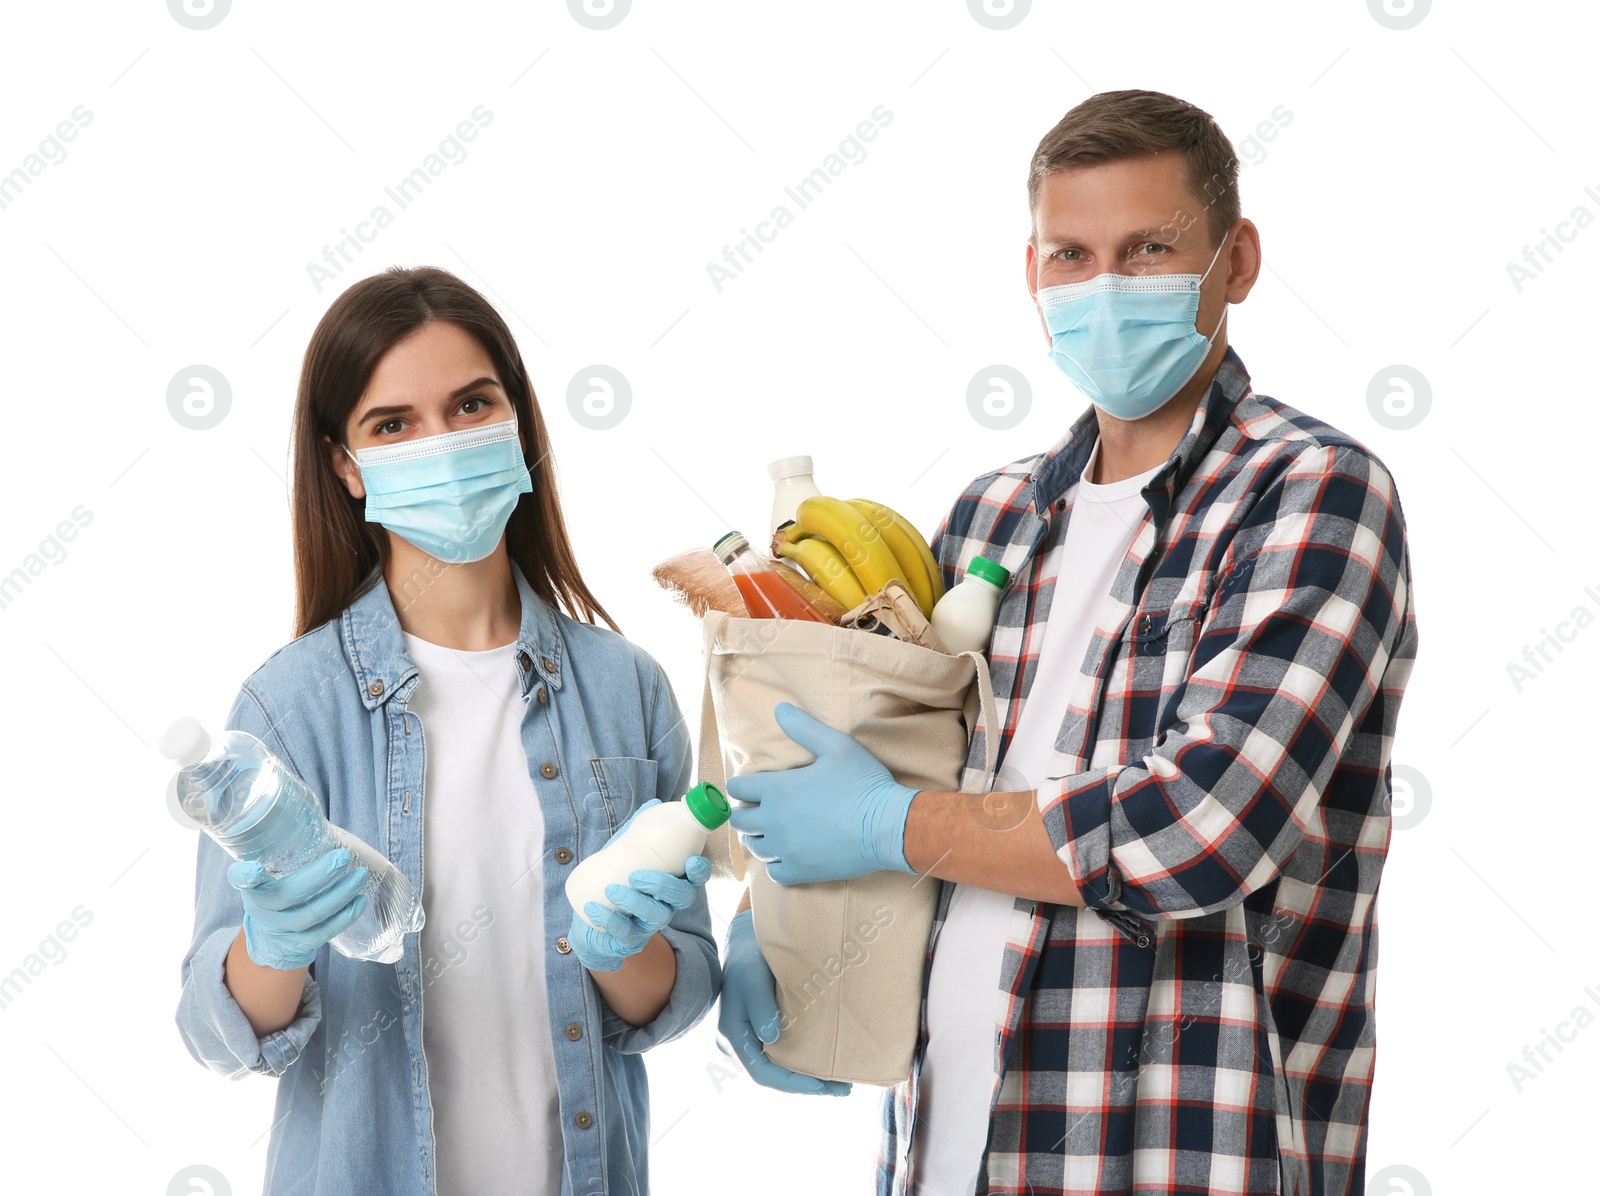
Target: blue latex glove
747,1015
841,816
288,918
645,905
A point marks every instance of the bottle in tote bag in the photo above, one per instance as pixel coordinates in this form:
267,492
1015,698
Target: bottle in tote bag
964,617
766,594
661,839
791,485
257,809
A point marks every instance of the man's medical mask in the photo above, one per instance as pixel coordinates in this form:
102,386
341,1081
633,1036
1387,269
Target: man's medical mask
1128,341
451,495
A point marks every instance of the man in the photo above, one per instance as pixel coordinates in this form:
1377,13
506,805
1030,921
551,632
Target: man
1152,967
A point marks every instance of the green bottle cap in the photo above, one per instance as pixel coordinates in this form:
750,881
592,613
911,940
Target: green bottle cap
708,805
983,567
727,547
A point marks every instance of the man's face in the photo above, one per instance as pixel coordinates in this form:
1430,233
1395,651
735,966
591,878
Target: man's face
1128,217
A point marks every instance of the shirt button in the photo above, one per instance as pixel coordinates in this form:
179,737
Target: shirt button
375,688
583,1120
562,945
1144,625
523,657
541,695
563,855
548,770
550,667
574,1031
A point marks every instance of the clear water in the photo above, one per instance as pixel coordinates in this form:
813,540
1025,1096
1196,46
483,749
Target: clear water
259,810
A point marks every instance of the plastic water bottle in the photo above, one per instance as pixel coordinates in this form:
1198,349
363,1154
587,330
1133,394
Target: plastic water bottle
246,799
661,838
964,617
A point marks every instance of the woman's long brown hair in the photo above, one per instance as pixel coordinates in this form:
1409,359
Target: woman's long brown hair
335,548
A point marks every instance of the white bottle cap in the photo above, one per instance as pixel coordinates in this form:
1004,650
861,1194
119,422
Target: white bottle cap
789,467
185,741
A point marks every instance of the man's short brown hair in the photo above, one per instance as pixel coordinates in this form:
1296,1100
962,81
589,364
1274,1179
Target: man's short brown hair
1115,125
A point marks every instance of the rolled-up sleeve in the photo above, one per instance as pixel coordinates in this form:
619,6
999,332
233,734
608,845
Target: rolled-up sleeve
699,975
214,1028
1311,621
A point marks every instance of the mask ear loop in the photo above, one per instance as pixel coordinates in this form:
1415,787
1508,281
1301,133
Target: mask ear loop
1214,258
1212,338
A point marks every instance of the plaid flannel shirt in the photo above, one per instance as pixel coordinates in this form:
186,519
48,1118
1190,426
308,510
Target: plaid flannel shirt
1219,795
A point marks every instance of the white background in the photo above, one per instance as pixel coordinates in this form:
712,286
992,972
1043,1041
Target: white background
1416,164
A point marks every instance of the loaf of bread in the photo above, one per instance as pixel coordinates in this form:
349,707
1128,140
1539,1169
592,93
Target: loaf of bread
698,580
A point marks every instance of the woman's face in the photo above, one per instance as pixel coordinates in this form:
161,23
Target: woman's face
439,379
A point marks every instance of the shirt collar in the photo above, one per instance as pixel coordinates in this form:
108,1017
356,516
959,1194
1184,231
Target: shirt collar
376,648
1059,469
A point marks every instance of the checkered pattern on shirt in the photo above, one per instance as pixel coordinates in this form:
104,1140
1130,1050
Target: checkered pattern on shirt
1220,798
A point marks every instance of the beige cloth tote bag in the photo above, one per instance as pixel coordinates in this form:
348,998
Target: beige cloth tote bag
847,955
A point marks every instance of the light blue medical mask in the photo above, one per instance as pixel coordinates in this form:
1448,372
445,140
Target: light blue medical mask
451,495
1128,341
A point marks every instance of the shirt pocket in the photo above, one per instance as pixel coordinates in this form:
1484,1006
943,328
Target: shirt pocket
621,785
1150,663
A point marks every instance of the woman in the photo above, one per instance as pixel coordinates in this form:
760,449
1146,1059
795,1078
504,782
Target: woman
447,712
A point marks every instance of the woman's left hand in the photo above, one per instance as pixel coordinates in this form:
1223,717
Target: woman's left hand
645,905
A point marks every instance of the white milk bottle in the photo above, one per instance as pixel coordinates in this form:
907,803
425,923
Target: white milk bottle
791,485
661,838
964,617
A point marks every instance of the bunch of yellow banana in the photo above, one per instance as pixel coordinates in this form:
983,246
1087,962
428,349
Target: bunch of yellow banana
853,547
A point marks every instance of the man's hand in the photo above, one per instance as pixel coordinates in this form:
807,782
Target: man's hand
841,816
747,1016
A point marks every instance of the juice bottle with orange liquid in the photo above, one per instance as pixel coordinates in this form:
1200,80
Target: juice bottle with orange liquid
765,593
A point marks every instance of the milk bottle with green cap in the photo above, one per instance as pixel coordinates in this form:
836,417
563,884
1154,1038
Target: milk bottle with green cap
964,617
660,839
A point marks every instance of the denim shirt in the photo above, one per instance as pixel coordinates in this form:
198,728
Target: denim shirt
603,733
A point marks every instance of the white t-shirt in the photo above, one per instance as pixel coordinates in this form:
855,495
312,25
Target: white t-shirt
965,1004
491,1064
